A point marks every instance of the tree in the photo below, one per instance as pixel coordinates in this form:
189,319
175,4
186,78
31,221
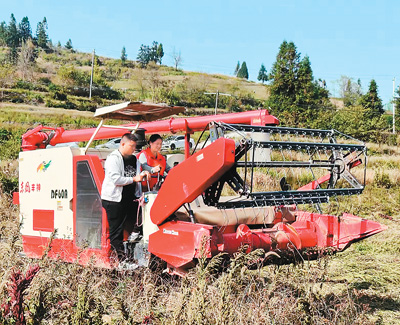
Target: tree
243,72
12,38
160,52
153,53
237,69
24,29
41,34
371,101
27,59
124,56
292,87
143,56
262,74
350,91
283,74
177,57
139,78
68,45
3,33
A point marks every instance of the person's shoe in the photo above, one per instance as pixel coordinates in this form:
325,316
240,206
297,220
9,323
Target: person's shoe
127,266
134,237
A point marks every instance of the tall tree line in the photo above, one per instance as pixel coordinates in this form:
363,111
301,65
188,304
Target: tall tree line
17,36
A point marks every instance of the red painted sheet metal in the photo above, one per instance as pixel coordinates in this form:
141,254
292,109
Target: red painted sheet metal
65,250
35,139
314,184
178,242
192,177
16,198
337,232
43,220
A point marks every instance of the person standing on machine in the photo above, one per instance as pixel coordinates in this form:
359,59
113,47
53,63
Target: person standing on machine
153,161
118,191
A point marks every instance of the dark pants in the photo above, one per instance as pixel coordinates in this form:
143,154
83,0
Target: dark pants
120,215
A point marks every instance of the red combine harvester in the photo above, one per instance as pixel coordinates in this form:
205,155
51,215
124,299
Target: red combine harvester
243,187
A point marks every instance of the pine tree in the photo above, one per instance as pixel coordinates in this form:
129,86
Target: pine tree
144,55
25,30
371,101
283,75
13,36
292,86
124,56
160,53
12,55
41,34
237,69
153,52
243,72
262,74
68,45
304,85
3,33
147,54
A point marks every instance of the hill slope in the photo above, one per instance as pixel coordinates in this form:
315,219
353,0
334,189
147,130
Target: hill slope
62,79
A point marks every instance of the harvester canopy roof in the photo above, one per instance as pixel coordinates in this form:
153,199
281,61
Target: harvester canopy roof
138,111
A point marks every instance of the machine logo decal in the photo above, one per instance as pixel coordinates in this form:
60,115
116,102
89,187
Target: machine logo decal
170,232
43,166
59,194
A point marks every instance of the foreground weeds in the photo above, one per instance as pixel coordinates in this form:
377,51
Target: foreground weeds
341,289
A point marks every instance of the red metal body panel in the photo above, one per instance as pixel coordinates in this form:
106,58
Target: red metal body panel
43,220
178,242
62,249
34,139
314,184
16,198
192,177
337,232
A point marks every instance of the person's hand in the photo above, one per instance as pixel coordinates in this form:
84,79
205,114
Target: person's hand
139,177
156,169
144,174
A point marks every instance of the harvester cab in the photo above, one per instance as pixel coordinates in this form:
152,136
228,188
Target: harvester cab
246,187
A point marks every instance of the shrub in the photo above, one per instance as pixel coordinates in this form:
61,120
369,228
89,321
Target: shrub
382,179
21,84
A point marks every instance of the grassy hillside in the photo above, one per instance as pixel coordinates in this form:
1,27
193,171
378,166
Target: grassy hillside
62,78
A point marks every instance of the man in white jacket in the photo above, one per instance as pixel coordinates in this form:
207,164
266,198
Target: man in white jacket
118,191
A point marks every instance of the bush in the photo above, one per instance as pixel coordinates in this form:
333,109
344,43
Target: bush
10,143
21,84
381,179
45,81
